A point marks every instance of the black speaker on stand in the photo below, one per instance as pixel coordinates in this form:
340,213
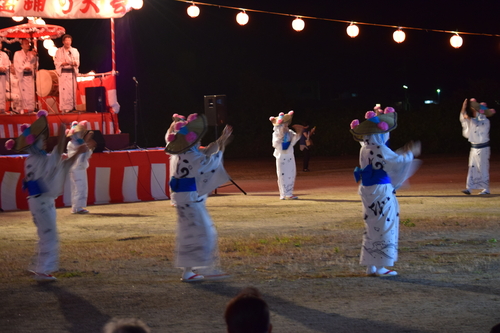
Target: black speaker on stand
95,99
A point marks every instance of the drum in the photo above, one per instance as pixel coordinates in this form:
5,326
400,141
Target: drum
47,83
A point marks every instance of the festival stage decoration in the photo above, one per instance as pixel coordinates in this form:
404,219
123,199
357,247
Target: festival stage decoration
298,23
31,30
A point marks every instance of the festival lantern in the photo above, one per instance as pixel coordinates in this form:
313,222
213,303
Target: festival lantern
18,18
298,24
399,36
48,44
52,51
136,4
456,41
193,11
242,18
352,30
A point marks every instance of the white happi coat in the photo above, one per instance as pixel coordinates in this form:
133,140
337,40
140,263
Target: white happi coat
25,78
45,175
285,159
67,76
78,177
4,79
380,206
195,175
477,131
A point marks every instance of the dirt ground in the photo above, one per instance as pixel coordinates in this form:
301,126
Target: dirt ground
302,255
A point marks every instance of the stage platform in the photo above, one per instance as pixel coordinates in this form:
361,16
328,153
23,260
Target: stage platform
113,177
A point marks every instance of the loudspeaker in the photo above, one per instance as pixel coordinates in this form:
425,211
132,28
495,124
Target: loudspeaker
215,109
95,99
99,140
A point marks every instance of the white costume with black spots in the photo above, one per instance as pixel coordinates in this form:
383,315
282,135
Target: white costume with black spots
477,131
379,165
78,176
45,175
283,141
195,175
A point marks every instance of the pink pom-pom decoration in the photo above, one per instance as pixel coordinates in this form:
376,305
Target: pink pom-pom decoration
67,131
30,139
171,137
191,137
472,99
42,113
290,112
280,120
389,110
354,123
281,114
179,125
74,123
83,123
24,127
383,126
493,111
271,118
192,117
370,114
9,144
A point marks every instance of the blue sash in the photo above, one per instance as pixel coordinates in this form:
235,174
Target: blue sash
182,184
33,187
370,176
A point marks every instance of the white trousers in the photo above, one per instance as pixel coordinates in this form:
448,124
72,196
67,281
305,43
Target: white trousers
478,176
43,210
286,172
27,92
67,92
79,189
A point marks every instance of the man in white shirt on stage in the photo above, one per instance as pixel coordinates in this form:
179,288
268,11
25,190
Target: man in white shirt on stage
25,64
67,61
4,77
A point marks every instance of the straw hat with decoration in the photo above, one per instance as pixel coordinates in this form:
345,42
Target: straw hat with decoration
185,133
377,122
29,133
282,119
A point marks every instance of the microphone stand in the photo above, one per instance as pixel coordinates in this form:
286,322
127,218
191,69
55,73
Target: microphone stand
73,78
136,102
10,99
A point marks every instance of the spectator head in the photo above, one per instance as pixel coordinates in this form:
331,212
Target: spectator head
126,325
248,313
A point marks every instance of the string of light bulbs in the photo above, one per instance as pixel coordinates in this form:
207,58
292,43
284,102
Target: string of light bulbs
298,23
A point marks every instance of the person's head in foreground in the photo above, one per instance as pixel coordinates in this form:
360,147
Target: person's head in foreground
248,313
125,325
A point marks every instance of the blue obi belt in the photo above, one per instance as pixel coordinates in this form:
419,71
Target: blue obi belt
33,186
370,176
182,184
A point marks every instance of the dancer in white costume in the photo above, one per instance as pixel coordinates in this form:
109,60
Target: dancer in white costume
25,64
78,174
44,181
67,61
476,128
283,141
379,165
195,175
4,78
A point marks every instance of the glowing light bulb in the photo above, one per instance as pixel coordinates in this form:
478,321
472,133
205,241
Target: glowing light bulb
40,21
17,18
399,36
298,24
242,18
456,41
193,11
352,30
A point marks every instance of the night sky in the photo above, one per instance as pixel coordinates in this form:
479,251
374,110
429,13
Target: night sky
266,67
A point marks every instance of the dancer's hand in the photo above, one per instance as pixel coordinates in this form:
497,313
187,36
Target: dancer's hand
415,147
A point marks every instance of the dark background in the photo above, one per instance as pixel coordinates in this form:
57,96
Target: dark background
322,74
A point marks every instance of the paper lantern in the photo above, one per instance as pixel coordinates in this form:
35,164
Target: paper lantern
48,44
17,18
298,24
136,4
399,36
52,51
193,11
456,41
242,18
353,30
